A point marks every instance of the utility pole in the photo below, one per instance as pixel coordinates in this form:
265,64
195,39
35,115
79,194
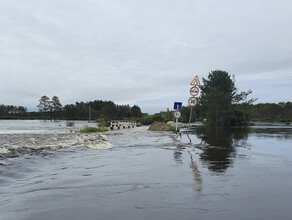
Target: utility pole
89,116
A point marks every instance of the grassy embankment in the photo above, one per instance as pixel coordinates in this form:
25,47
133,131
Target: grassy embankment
161,126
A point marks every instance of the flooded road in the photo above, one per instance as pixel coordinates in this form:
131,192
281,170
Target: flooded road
241,174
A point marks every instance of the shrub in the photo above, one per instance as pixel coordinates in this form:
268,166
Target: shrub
161,126
148,120
88,129
102,122
171,127
102,129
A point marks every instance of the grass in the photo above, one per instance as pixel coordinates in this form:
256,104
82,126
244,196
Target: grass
172,128
161,126
88,129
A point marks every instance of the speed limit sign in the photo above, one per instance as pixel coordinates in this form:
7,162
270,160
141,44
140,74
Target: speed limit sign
177,114
193,101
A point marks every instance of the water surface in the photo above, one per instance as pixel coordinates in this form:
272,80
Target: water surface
240,174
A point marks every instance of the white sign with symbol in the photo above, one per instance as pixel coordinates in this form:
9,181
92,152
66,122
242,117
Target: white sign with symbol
196,81
193,101
194,91
177,114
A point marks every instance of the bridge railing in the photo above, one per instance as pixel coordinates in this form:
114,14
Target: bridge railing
122,124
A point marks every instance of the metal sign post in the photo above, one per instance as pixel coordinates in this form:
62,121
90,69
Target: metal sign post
193,101
190,124
177,115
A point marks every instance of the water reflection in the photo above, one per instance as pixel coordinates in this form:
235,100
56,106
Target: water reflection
277,132
218,156
197,175
177,155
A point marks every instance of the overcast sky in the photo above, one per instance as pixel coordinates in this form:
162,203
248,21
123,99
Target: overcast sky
143,52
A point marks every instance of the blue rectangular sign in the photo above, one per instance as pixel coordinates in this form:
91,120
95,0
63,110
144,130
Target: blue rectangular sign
177,106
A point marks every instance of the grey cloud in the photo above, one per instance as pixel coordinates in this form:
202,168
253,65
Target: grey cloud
133,51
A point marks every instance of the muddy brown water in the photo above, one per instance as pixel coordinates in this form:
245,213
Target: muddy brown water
239,174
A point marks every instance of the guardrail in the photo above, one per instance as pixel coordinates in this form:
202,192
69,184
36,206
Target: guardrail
122,124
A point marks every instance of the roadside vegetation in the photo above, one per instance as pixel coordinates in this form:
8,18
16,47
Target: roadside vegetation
162,126
90,129
220,105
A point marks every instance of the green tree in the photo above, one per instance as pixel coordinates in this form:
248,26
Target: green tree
136,111
44,105
168,116
56,106
10,111
185,114
21,110
70,111
3,110
219,97
108,110
122,111
287,112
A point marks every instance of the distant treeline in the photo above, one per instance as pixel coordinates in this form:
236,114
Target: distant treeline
78,111
269,112
281,112
100,109
11,111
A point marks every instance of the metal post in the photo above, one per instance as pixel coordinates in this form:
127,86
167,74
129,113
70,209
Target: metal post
89,117
190,124
176,120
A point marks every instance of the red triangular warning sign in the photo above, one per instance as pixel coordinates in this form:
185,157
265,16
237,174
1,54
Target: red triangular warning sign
196,81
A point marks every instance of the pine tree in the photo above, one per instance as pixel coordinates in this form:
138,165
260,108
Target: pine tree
56,106
219,98
44,106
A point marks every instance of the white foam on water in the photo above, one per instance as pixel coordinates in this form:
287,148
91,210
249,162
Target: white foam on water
103,137
100,145
17,144
63,145
3,150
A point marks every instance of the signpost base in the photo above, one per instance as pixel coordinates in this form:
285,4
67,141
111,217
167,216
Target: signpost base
190,124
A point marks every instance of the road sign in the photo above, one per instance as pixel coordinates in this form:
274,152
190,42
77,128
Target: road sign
177,114
196,81
193,101
194,91
177,106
